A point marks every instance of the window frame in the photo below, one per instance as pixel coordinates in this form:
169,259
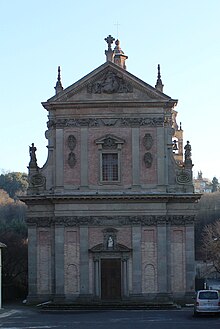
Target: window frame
109,144
110,181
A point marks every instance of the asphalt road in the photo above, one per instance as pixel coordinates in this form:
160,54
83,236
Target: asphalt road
164,319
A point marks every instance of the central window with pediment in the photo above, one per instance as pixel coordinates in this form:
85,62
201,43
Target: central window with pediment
110,167
109,148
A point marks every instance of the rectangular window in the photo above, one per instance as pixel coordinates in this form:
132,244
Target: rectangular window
110,167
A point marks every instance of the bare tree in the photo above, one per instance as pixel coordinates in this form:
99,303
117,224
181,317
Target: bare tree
211,244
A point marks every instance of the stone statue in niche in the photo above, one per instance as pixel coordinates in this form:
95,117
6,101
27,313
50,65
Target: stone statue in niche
110,242
148,159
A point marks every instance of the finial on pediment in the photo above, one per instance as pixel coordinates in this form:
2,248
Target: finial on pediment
58,86
109,52
119,56
159,84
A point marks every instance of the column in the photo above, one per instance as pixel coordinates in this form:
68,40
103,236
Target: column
135,156
32,262
96,277
84,157
84,261
59,158
162,258
59,262
136,260
125,276
168,258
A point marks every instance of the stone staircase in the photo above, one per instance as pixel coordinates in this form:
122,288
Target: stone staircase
51,306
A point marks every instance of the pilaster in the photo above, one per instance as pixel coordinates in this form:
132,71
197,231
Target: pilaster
161,162
162,257
32,261
84,157
135,156
59,261
84,261
136,260
190,258
59,158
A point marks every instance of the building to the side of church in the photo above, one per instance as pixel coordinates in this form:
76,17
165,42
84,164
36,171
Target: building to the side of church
111,213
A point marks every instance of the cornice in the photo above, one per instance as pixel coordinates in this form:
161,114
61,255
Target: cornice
117,220
108,104
117,197
156,121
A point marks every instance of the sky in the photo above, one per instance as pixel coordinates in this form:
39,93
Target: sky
183,36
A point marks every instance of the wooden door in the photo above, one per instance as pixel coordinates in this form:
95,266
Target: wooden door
111,279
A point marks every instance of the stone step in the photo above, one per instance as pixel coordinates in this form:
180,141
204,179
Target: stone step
106,306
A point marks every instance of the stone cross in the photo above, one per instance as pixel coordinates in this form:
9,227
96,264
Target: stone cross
109,41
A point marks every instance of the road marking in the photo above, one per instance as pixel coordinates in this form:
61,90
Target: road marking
5,314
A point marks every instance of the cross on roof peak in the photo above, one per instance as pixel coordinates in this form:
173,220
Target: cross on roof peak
109,41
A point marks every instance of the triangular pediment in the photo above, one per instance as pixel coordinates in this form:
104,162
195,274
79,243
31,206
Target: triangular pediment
109,139
109,83
101,248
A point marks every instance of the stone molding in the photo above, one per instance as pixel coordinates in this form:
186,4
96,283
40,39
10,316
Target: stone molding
98,122
151,220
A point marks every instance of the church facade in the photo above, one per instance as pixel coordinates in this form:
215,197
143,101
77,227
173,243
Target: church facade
111,213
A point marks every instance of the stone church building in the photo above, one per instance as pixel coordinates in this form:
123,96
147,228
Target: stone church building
111,213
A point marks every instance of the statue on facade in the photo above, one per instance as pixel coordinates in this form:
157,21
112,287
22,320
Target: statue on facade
110,242
33,158
188,153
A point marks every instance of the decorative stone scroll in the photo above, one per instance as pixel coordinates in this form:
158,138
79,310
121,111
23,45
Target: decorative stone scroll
109,143
100,122
148,141
148,159
37,180
71,142
109,84
109,221
71,160
40,221
183,177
